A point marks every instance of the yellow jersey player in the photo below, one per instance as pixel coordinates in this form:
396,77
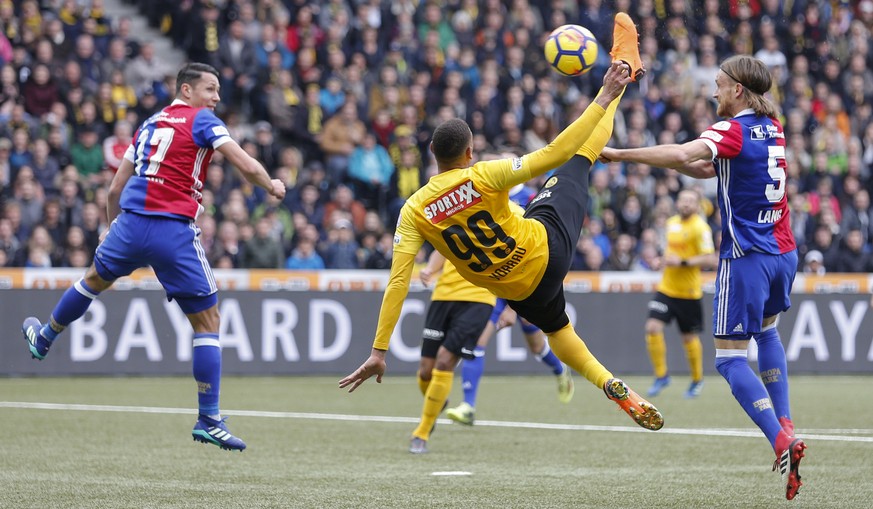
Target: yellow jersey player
456,317
680,293
464,212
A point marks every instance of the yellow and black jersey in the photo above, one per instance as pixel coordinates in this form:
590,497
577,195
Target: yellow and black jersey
466,215
685,239
451,286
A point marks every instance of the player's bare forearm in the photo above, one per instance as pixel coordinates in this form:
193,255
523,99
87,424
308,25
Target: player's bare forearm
113,199
253,171
693,158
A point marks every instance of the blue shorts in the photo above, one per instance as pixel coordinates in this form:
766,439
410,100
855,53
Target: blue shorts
748,289
170,246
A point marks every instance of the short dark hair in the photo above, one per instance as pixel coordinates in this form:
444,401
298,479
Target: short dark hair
191,73
451,139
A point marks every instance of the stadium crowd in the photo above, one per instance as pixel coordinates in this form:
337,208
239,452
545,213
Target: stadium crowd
338,98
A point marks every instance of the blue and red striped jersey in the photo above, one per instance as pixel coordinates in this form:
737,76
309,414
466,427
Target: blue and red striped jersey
170,153
749,156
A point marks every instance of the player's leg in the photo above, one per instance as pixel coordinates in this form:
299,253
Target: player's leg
694,354
549,315
742,284
772,363
660,314
473,369
461,332
689,315
116,256
625,48
471,374
179,262
539,347
773,368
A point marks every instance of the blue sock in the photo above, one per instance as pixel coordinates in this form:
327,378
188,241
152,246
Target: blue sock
548,357
471,373
207,372
72,306
749,391
774,370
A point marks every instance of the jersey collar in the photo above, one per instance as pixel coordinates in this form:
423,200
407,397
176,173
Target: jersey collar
177,102
747,111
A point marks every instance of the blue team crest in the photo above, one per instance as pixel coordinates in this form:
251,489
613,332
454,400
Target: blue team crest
756,132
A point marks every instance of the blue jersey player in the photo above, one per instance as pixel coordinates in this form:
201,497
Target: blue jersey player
758,256
154,200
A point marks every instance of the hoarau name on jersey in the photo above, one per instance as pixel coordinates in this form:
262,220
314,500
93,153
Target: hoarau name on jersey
769,216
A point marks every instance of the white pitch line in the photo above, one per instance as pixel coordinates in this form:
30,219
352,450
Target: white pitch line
713,432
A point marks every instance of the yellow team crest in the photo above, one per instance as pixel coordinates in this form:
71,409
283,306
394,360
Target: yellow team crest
552,181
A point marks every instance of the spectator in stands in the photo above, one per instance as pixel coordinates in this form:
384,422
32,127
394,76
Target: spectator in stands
381,256
71,202
341,250
39,249
308,203
40,91
237,63
203,36
87,156
91,226
853,258
857,216
29,197
370,170
262,251
51,221
145,71
227,244
9,243
115,145
813,263
266,145
341,134
45,167
343,200
304,257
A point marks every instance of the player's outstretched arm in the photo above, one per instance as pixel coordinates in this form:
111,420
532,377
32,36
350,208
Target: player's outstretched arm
693,158
251,169
434,266
113,201
392,303
568,141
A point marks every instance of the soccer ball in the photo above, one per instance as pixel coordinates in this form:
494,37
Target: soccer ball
571,50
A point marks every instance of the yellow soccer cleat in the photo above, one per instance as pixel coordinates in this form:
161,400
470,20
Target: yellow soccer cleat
462,414
565,385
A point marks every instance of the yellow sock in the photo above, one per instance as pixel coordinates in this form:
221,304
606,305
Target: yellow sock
694,352
437,393
570,348
422,383
593,146
657,353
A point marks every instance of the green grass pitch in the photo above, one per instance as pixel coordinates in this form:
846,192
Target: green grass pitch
129,446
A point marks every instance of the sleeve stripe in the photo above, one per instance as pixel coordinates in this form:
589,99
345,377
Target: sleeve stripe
711,146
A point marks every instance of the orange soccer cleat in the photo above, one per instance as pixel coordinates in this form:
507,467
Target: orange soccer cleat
641,411
626,45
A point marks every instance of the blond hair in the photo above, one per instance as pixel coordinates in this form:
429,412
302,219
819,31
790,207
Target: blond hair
755,78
